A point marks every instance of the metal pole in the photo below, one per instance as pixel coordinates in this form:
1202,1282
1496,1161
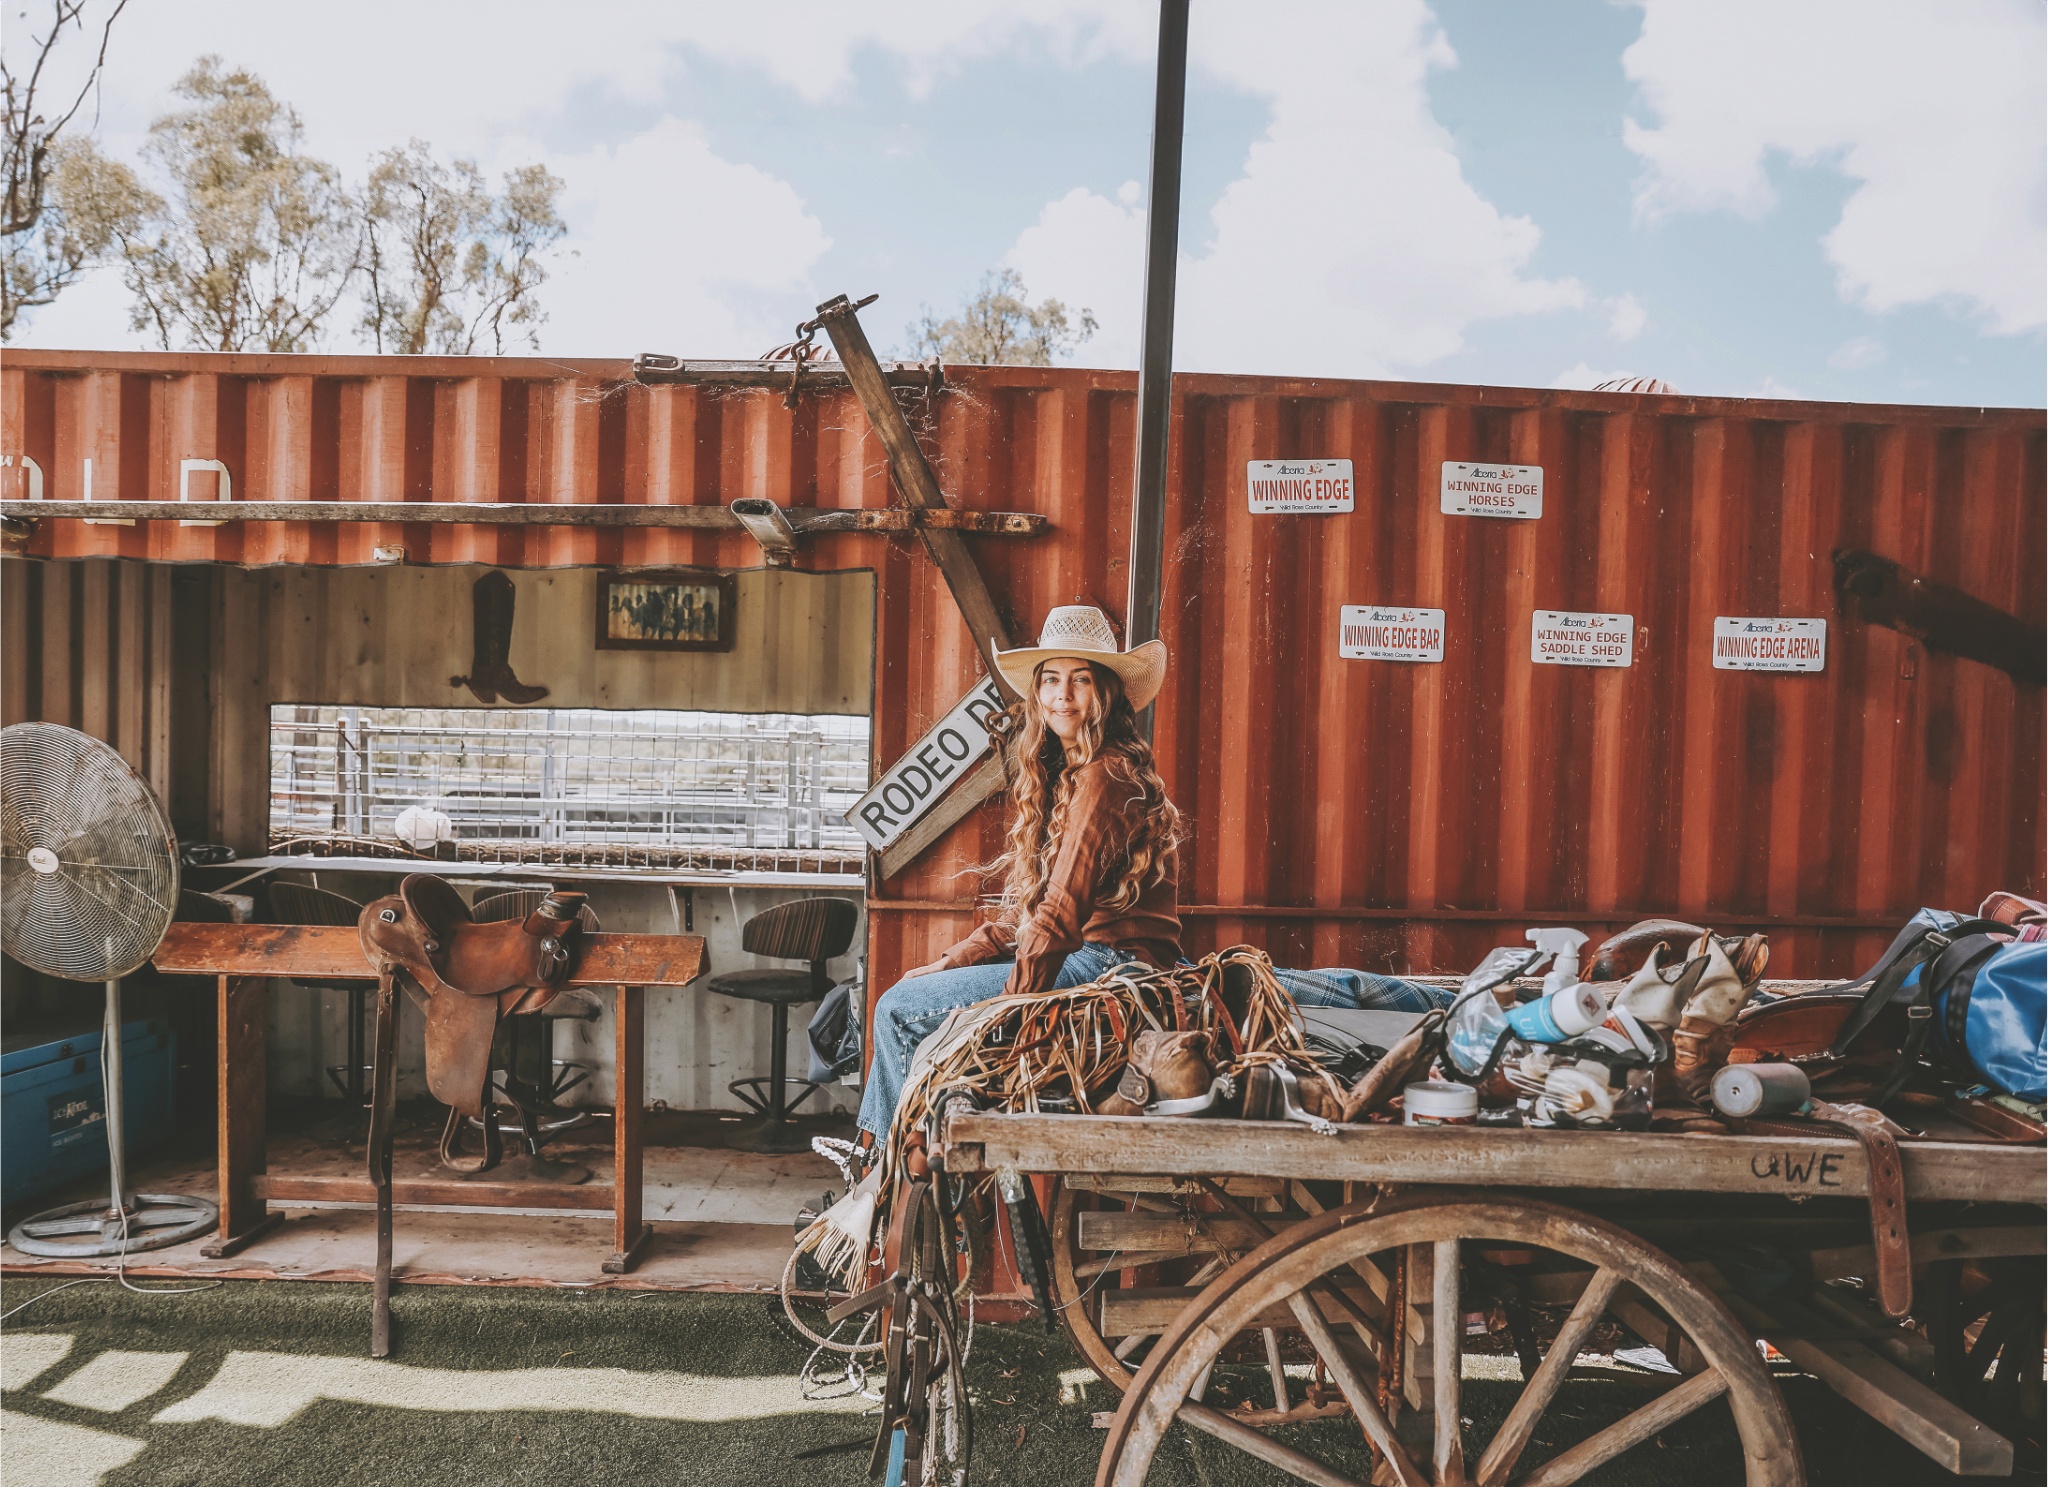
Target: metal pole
114,1065
1155,367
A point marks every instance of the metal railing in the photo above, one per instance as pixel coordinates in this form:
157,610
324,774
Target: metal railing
573,785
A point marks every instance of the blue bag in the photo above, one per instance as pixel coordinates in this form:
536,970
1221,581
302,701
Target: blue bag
1994,1020
1982,997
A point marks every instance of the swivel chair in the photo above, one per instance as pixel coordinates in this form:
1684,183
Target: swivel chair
813,930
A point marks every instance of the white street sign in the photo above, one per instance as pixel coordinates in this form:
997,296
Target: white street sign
1769,644
1298,485
1371,632
1492,490
1562,637
934,764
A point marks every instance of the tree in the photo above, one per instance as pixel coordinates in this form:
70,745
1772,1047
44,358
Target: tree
254,243
446,262
62,198
1000,326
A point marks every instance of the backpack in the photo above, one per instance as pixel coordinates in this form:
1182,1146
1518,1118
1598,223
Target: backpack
1976,1003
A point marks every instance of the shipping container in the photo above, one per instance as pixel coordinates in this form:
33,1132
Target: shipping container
1398,815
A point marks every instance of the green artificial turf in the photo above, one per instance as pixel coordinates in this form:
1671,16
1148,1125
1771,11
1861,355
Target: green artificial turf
1027,1432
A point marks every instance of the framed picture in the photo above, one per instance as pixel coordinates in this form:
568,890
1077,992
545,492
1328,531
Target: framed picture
678,610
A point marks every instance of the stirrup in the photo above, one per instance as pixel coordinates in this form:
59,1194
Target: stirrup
451,1141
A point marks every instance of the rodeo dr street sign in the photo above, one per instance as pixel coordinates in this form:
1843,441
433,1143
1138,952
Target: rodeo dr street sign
911,786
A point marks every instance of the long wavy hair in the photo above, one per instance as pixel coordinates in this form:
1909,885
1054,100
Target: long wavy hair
1042,785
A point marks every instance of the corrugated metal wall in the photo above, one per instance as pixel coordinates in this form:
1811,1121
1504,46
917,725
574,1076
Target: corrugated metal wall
1407,816
88,645
1398,816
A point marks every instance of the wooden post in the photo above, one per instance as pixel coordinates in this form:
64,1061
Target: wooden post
948,549
242,1055
629,1231
915,480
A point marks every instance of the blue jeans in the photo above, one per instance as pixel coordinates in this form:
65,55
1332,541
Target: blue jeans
911,1011
1361,990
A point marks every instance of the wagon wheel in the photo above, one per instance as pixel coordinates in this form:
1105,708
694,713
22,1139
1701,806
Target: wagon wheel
1985,1319
1127,1253
1293,1269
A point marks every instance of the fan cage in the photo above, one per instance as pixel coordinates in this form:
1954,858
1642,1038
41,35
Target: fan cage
101,914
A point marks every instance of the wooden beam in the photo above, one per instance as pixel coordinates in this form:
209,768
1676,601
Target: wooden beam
332,952
1185,1234
1154,1308
588,1197
806,522
915,480
1943,1432
1782,1166
1114,1182
819,376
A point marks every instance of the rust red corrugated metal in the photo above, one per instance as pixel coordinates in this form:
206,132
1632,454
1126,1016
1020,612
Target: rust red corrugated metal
1341,812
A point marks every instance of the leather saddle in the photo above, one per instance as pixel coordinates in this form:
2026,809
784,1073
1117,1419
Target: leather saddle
470,975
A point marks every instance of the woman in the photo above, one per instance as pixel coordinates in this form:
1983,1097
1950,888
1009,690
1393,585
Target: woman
1090,866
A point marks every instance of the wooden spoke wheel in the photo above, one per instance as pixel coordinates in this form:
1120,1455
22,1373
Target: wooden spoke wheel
1129,1252
1298,1271
1985,1319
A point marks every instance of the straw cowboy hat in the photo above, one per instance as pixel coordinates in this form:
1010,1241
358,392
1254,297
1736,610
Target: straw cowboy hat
1082,631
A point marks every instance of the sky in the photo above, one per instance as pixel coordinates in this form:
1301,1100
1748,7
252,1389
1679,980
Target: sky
1832,199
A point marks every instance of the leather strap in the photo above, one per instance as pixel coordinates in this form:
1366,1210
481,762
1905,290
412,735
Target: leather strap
1887,1188
1915,945
1956,973
383,1105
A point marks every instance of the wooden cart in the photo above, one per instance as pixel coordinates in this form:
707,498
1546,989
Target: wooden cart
1338,1274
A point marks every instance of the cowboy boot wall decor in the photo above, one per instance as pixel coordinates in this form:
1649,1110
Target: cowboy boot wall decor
490,676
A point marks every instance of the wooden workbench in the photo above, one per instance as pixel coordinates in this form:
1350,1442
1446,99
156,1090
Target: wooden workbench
245,958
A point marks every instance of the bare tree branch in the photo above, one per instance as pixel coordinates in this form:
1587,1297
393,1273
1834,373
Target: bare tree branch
47,248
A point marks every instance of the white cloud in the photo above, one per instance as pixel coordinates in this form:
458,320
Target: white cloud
1859,354
1935,111
1626,317
659,258
1773,388
1351,245
1090,252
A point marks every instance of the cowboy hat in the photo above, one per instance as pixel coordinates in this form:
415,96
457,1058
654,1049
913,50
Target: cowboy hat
1082,632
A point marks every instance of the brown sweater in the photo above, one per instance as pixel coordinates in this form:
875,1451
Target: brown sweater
1091,855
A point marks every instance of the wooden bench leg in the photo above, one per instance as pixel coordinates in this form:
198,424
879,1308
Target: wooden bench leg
629,1231
241,1072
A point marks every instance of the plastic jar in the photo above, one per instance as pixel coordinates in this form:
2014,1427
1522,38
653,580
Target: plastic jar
1439,1103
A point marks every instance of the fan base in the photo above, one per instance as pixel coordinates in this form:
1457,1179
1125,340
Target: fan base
95,1228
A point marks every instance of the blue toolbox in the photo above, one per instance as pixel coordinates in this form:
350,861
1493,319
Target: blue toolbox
53,1109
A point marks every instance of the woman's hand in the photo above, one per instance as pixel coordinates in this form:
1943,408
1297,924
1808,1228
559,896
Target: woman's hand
926,970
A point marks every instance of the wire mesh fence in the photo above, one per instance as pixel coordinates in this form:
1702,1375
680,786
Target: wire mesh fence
578,786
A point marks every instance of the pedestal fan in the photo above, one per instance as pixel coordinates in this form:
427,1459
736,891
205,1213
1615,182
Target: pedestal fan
88,885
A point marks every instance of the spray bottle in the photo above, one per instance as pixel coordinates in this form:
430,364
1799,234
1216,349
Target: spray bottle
1564,944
